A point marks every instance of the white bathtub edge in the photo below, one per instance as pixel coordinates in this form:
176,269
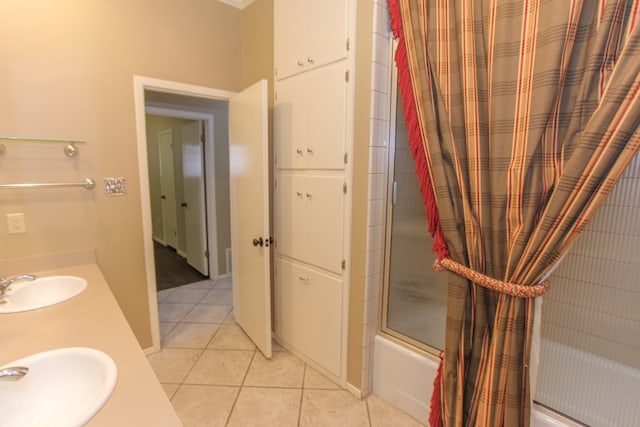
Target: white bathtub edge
402,377
405,379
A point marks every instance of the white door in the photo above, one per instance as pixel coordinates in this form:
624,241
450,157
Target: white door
194,206
249,206
167,188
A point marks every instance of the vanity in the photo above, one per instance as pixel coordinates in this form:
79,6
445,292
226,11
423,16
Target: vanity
91,319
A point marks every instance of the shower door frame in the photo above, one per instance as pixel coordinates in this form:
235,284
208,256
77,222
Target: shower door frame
398,337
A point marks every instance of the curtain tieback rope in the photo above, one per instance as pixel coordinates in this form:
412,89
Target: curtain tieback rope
513,289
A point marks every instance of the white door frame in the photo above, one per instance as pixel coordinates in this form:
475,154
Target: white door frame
140,84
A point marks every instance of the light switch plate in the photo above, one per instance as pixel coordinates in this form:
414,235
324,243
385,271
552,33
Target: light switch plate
16,223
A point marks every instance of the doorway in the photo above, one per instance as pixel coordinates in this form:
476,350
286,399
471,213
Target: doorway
210,106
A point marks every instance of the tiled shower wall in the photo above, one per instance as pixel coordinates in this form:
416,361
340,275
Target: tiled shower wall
590,356
594,300
378,165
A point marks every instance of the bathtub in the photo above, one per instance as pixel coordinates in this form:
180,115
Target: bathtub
405,378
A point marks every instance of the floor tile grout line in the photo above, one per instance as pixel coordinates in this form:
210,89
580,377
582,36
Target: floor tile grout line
187,313
253,357
249,386
304,377
366,404
240,388
206,346
162,339
192,366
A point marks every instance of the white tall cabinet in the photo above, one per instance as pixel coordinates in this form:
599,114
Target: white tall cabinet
313,140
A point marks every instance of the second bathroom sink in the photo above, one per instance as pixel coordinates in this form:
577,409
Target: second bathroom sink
62,387
41,292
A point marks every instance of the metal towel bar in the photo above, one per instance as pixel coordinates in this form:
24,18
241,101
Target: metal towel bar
87,183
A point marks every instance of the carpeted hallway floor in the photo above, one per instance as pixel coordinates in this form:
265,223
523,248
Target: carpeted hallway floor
171,269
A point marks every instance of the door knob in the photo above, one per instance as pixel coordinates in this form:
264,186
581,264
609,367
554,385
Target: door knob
183,204
258,242
163,197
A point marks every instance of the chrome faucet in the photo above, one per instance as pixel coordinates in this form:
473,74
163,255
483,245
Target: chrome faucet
14,373
5,283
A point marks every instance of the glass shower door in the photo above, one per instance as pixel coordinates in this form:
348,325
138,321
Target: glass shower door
414,294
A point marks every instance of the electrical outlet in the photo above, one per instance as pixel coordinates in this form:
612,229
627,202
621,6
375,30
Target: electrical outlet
16,224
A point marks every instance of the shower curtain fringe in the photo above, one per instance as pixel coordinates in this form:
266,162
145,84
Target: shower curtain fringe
435,416
415,135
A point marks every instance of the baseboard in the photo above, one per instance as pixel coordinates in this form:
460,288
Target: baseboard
182,254
329,375
151,350
354,390
227,257
159,240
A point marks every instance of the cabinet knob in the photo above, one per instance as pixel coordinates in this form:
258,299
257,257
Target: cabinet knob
308,195
299,151
310,60
310,150
299,194
300,63
303,279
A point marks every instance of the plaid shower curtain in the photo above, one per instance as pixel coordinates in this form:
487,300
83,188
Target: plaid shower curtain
522,115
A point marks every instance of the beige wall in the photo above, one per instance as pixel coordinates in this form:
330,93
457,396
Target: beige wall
67,72
257,44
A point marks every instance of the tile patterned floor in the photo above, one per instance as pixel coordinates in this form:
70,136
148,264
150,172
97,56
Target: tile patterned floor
214,375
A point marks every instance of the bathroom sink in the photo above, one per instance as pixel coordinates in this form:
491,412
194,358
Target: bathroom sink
63,387
41,292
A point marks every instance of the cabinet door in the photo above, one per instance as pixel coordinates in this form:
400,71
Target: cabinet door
290,123
310,219
326,31
326,115
291,222
324,217
290,36
309,34
310,119
309,313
